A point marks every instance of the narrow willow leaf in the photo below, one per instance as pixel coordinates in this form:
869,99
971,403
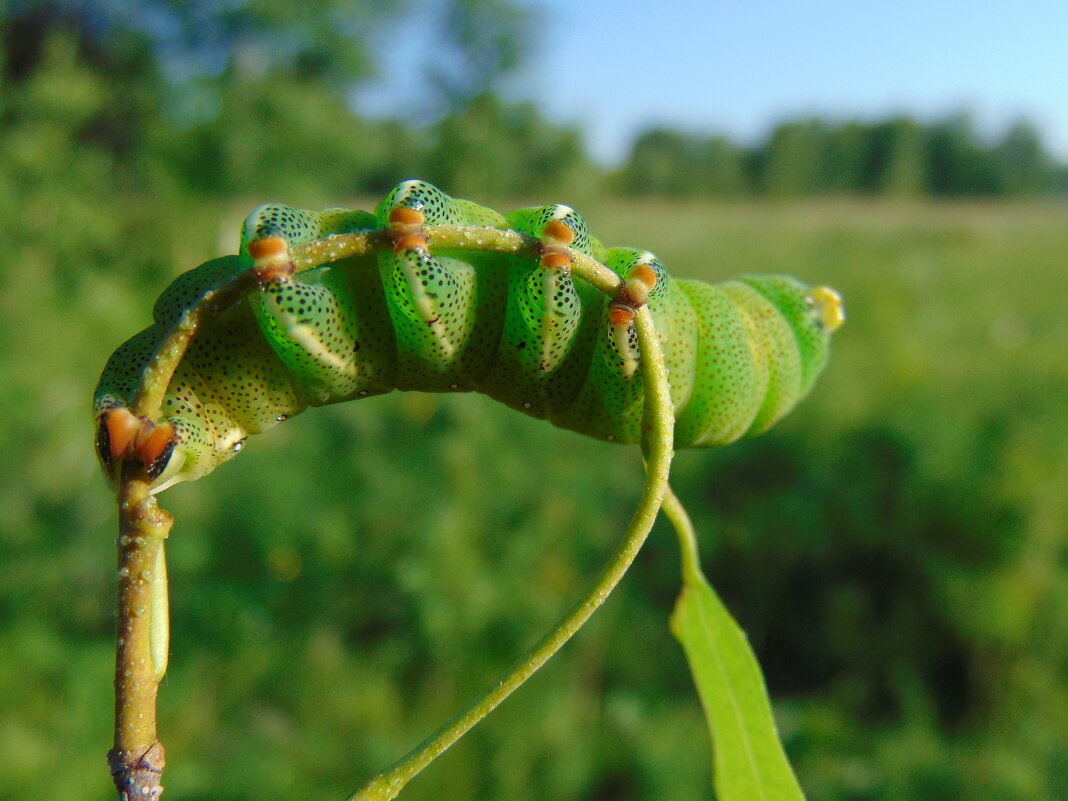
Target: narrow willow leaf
748,759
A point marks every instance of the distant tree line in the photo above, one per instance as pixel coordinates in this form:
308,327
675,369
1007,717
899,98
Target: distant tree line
898,157
175,101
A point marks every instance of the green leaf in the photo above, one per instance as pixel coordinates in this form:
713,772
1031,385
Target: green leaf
748,759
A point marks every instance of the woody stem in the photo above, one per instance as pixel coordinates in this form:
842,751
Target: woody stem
137,758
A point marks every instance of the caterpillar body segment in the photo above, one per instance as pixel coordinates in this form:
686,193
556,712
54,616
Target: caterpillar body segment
609,400
445,307
542,350
520,329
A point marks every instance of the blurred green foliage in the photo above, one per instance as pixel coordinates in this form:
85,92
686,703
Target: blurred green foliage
896,549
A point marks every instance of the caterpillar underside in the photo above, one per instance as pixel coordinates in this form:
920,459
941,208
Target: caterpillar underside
522,330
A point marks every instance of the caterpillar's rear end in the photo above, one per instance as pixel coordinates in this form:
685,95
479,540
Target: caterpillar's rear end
740,355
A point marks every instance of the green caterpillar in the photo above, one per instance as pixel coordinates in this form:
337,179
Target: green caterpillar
740,354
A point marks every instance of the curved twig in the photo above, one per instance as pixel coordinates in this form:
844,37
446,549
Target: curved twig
660,419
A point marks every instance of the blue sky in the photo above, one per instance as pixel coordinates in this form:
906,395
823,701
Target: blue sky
613,68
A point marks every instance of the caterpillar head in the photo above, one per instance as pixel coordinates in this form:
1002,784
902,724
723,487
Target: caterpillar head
122,436
171,451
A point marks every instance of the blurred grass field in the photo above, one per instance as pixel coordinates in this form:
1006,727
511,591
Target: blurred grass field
896,549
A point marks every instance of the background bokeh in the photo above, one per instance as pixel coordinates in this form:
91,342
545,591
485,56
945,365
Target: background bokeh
896,549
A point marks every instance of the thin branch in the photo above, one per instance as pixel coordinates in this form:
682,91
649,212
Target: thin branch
660,420
316,253
137,758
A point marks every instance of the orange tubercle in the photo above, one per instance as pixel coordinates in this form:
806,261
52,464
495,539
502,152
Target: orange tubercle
645,274
558,230
556,259
271,255
402,215
267,247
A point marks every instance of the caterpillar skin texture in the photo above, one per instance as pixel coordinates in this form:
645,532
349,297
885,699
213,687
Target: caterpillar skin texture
740,354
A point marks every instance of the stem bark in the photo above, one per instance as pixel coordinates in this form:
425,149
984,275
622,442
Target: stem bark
137,758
